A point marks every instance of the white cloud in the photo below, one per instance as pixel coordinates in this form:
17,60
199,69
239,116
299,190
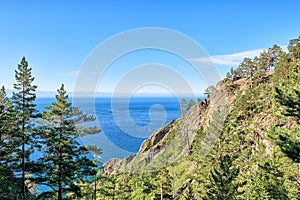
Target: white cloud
71,73
229,59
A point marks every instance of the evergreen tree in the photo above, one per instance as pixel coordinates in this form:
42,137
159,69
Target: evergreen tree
107,188
248,69
209,90
287,94
183,105
89,188
142,186
163,185
23,101
9,183
123,188
288,139
294,49
191,103
64,162
270,179
231,74
222,180
189,194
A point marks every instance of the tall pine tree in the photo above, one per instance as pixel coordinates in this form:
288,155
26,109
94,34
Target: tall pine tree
64,160
223,183
23,101
9,183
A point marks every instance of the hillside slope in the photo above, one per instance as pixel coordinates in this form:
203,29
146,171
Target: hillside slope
241,143
174,140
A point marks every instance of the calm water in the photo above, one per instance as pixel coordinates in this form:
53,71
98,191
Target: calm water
125,124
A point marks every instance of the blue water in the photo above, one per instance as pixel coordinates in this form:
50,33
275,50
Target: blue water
125,124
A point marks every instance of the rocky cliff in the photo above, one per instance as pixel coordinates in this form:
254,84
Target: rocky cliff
173,140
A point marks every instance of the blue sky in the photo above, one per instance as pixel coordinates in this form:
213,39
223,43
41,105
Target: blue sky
57,36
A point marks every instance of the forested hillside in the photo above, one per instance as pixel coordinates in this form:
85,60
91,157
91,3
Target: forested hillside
253,155
242,142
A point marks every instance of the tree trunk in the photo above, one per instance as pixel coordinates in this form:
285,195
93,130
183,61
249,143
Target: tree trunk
23,143
143,184
298,182
95,188
59,181
161,192
23,159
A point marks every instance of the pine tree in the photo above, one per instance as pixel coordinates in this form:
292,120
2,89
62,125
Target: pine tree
209,90
189,194
64,162
163,185
23,101
222,180
9,183
142,186
183,107
96,152
288,139
294,48
123,188
107,188
271,178
231,74
287,94
190,104
248,69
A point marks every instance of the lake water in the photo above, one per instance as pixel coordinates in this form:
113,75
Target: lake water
125,124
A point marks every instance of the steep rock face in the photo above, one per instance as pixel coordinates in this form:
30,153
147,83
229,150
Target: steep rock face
174,139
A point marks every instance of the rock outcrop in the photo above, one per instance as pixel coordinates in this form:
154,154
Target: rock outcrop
166,144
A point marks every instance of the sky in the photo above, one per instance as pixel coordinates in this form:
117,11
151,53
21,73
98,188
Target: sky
57,37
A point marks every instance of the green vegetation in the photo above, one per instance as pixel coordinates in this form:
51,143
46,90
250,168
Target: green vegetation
63,166
250,150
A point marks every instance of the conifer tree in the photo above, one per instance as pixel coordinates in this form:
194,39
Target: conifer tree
223,183
163,185
270,179
189,194
107,188
9,183
288,139
231,74
64,162
123,188
294,48
183,107
23,101
191,103
248,69
209,90
287,95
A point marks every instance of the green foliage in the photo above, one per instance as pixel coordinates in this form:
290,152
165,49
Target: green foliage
189,194
288,138
249,151
23,102
163,185
63,162
231,74
9,183
270,179
222,180
209,90
183,105
294,48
